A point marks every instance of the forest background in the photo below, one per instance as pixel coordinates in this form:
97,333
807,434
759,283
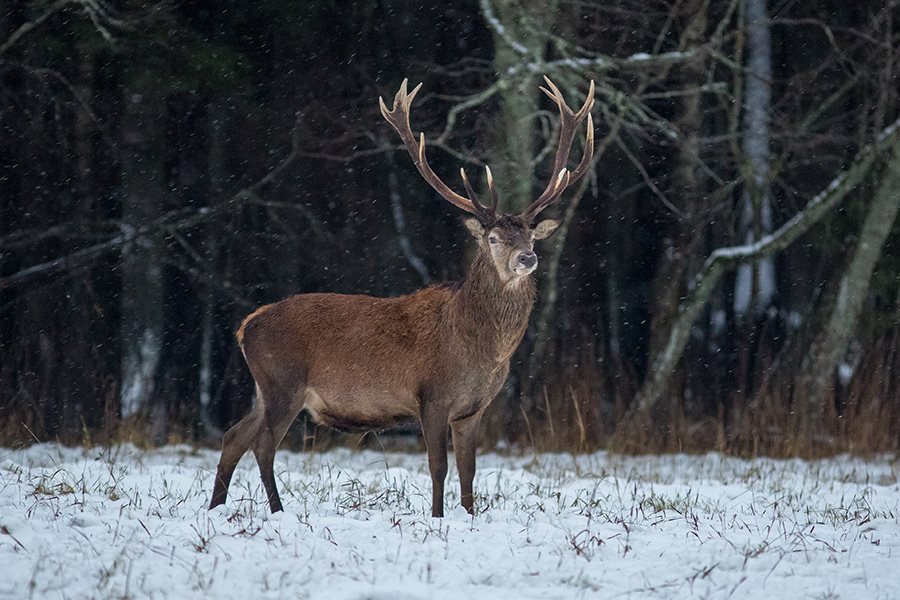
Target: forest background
728,277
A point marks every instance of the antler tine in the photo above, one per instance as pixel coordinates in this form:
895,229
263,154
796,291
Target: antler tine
557,97
559,185
487,214
585,163
568,125
402,100
465,179
569,122
490,185
398,117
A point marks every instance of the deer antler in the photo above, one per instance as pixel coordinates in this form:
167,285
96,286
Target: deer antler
398,117
568,125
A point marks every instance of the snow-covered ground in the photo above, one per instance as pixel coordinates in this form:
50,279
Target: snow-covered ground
123,523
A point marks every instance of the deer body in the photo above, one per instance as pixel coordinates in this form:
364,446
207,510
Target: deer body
437,356
361,362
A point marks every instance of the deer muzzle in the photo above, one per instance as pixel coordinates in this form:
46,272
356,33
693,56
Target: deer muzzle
524,263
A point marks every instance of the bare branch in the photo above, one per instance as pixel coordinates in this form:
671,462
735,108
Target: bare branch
99,14
28,26
649,180
172,221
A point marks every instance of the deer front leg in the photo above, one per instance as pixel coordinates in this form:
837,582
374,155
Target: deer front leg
434,430
465,438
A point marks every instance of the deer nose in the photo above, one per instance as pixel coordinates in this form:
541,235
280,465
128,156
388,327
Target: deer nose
528,259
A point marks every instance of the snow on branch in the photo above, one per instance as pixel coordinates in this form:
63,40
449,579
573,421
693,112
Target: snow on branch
494,23
814,210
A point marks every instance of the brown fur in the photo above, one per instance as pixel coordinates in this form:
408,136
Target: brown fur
439,356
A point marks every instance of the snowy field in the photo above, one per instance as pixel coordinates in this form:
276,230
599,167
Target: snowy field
123,523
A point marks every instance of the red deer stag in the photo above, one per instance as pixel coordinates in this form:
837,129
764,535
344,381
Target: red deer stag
439,355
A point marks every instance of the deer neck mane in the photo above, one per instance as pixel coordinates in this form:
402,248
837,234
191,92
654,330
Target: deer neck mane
493,312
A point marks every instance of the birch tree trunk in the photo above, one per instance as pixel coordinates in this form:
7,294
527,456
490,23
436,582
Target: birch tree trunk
755,283
516,40
818,368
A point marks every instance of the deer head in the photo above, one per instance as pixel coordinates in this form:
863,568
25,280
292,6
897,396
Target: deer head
507,238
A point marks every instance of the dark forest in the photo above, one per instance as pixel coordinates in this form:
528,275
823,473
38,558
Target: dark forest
727,276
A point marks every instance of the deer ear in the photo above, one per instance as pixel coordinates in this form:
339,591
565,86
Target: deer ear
545,228
475,228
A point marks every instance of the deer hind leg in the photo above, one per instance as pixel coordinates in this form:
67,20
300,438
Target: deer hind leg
281,410
235,443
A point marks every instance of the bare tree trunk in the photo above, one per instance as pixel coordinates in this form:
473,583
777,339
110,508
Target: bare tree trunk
217,175
828,348
669,281
86,410
755,283
143,183
415,261
516,41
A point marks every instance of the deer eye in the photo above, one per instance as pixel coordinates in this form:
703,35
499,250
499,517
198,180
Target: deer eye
493,240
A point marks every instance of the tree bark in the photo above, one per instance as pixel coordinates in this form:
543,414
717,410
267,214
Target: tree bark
755,283
828,348
216,171
516,41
